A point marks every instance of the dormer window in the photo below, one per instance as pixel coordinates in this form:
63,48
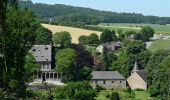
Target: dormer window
46,48
42,56
33,50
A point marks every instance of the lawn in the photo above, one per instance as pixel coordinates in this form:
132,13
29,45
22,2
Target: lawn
159,44
163,29
141,95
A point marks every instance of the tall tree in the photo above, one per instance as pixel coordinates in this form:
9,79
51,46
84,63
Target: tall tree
44,36
66,63
108,36
147,32
93,39
19,35
62,38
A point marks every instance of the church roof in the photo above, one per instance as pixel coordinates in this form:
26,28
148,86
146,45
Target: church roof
142,74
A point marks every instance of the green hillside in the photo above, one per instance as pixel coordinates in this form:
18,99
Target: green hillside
64,13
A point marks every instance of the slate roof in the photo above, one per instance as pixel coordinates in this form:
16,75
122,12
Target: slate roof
41,52
142,74
107,75
110,45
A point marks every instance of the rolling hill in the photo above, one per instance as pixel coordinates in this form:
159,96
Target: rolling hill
64,13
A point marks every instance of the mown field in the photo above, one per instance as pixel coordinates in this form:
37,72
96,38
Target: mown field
159,44
74,32
159,29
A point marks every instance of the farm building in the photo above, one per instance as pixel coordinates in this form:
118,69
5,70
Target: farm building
108,79
110,46
138,79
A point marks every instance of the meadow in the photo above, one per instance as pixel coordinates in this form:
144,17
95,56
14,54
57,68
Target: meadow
135,95
159,29
159,44
74,32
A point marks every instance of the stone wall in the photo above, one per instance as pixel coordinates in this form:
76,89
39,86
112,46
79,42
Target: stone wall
108,84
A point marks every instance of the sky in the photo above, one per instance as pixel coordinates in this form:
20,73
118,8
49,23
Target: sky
147,7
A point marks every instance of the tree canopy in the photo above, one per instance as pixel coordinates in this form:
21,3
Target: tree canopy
63,13
63,39
108,36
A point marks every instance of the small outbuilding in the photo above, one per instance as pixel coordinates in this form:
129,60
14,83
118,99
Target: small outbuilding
110,46
108,79
137,79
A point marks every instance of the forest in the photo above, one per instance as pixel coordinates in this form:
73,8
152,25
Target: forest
64,13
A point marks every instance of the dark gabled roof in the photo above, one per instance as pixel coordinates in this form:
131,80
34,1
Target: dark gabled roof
142,74
107,75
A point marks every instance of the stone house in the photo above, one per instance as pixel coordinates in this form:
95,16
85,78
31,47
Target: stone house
110,46
137,79
43,56
108,79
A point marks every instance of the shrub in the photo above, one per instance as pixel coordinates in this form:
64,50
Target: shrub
114,96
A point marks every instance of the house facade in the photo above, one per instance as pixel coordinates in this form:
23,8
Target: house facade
138,78
108,79
43,57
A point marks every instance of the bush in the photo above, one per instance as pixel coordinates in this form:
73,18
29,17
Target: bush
114,96
98,88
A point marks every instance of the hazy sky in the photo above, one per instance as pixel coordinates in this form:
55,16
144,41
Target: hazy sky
146,7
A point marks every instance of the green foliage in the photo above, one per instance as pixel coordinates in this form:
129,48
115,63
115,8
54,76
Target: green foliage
158,74
129,33
132,51
92,39
31,67
44,36
61,13
83,39
114,96
65,63
145,33
108,36
98,88
20,34
75,91
63,39
135,47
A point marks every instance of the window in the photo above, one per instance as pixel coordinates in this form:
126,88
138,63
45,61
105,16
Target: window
33,50
46,48
120,81
112,81
95,81
104,82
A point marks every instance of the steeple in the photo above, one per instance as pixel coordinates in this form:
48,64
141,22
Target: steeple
135,68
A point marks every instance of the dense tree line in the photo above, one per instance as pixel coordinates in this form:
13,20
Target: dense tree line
63,13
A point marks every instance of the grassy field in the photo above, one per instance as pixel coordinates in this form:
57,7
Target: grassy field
74,32
141,95
163,29
136,95
159,44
